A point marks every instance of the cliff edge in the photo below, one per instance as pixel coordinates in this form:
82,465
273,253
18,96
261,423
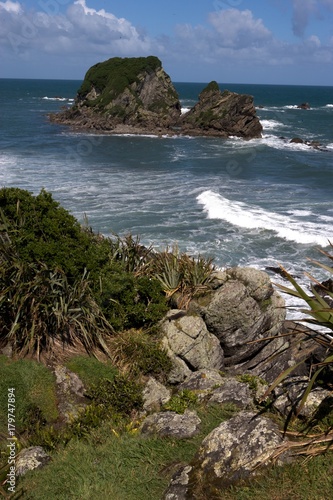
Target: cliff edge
135,95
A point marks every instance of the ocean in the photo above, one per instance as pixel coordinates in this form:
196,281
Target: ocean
258,203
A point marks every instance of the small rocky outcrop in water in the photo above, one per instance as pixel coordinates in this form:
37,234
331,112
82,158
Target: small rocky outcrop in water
222,114
135,95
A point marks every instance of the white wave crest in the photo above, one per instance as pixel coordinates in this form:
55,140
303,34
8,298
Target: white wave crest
252,217
56,99
271,124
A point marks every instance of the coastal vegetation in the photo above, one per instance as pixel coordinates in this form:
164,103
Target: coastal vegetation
111,77
93,303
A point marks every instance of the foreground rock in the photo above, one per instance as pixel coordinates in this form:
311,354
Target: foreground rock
231,452
169,423
245,313
222,114
155,395
31,458
70,393
190,345
135,95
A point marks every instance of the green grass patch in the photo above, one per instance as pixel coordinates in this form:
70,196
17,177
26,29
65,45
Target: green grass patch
125,466
34,388
298,481
91,370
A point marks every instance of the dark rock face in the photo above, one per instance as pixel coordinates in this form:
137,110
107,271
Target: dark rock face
304,105
135,95
123,94
222,114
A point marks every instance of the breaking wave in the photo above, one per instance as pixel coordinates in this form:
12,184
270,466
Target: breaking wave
291,226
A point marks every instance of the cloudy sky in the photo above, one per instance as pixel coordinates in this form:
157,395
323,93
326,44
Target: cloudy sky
231,41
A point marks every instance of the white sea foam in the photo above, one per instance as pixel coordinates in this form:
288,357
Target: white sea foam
329,106
185,110
253,217
279,143
271,124
56,99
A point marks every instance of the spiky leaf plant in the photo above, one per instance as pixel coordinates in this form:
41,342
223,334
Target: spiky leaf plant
179,272
39,307
319,314
129,252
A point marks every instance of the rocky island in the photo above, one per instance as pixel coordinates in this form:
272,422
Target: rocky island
135,95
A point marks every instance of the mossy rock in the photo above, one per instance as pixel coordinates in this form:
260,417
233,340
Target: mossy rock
111,77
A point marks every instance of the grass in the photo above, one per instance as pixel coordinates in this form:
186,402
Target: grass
34,388
91,370
298,481
128,466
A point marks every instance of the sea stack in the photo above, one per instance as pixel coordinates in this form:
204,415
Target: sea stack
135,95
222,114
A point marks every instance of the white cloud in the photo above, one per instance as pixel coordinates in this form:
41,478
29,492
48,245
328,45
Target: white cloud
11,6
314,41
80,30
238,28
82,36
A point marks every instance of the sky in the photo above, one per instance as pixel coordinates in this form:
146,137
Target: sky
231,41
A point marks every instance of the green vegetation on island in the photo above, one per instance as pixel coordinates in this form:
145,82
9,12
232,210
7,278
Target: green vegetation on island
111,77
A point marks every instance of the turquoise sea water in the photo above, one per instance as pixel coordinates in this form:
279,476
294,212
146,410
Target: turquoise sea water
260,202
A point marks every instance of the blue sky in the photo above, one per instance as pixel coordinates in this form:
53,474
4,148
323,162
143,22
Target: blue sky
231,41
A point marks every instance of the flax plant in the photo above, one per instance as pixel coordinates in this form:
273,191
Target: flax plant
319,314
38,307
179,272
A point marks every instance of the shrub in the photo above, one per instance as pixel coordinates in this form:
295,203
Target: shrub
130,301
121,395
181,401
138,352
40,308
43,231
179,272
91,370
44,251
